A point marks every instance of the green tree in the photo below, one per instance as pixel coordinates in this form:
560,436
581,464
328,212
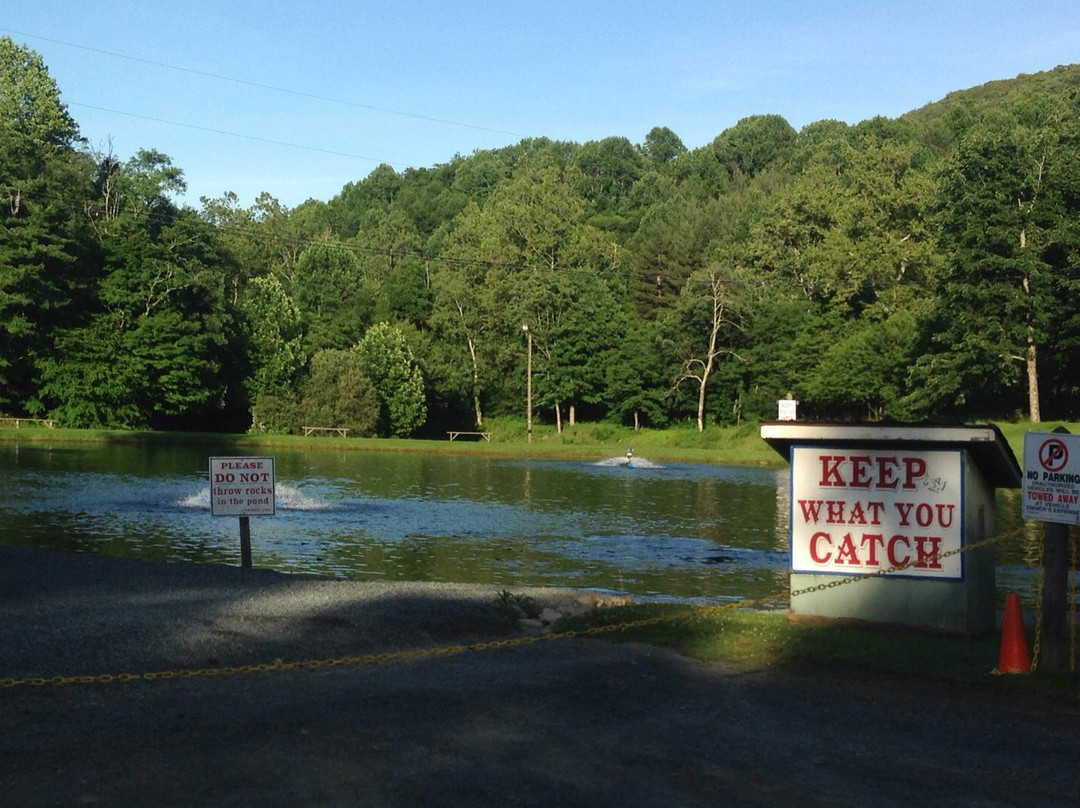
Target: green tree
865,373
479,174
636,378
536,220
273,329
609,168
335,299
581,342
700,330
662,146
281,234
44,185
785,337
91,381
1009,205
463,317
852,231
500,269
239,234
357,200
669,245
160,307
753,144
339,393
35,126
406,292
388,361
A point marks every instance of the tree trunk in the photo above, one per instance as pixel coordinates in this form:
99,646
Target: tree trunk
573,414
1031,356
637,422
475,384
717,321
701,370
1031,360
701,403
558,417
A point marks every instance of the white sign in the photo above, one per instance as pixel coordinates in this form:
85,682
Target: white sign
859,511
786,409
242,486
1052,477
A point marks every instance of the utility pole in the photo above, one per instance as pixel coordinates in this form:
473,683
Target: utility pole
528,383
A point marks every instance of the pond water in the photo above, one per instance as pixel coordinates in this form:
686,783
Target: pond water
654,530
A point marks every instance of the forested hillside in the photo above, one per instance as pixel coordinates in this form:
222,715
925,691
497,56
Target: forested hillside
919,268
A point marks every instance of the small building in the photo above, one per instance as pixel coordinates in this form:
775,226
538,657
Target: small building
898,510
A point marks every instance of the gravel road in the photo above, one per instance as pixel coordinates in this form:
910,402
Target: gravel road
572,722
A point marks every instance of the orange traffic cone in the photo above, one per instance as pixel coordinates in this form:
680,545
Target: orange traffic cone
1014,656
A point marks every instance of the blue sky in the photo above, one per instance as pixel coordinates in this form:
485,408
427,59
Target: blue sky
339,87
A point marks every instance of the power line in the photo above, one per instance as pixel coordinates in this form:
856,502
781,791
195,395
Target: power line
230,134
271,87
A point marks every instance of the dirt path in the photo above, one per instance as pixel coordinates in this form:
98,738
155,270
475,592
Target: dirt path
573,722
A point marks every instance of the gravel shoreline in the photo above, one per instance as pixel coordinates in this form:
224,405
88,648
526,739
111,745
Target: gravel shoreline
70,614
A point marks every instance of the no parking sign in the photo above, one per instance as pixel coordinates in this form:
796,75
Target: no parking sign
1052,477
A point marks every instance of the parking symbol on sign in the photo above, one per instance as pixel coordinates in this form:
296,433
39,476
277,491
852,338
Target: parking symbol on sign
1053,455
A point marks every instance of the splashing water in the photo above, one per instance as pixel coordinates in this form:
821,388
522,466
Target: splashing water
287,497
634,463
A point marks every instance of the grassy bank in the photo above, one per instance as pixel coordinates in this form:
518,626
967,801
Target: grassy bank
754,640
740,445
734,445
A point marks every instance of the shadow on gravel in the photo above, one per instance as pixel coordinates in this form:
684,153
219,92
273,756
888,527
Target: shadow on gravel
71,614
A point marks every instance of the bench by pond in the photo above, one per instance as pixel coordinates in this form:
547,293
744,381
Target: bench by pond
326,430
18,423
485,435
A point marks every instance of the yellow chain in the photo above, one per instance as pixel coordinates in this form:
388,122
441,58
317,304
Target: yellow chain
374,658
387,657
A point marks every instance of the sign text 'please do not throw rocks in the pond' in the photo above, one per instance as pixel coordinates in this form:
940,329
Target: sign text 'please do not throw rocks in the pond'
242,486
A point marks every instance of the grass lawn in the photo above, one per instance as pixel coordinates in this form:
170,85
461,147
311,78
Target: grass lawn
729,445
765,640
734,445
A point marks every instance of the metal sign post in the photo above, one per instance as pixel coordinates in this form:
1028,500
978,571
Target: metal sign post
243,487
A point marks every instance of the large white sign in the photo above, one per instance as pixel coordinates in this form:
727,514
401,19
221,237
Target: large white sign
858,511
1052,477
242,486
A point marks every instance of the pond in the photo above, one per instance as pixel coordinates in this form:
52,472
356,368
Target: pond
696,532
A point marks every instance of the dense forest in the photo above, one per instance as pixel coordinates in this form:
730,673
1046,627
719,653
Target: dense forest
918,268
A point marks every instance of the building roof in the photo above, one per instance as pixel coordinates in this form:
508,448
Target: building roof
984,442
